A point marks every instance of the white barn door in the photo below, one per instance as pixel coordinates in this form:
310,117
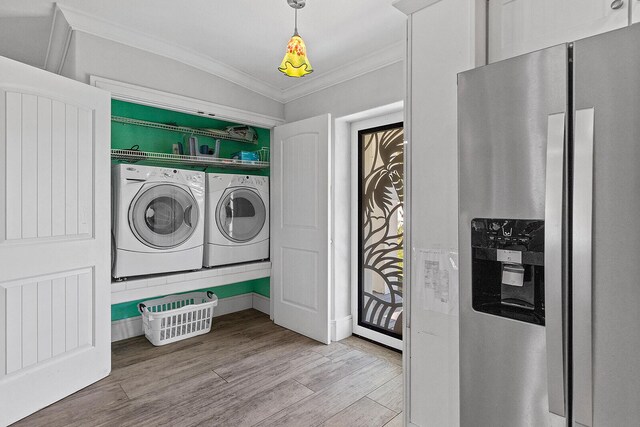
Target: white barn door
54,238
300,226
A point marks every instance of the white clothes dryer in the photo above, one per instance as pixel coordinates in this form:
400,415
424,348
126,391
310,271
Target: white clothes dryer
157,219
237,227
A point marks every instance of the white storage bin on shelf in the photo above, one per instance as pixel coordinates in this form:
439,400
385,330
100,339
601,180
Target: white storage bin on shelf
177,317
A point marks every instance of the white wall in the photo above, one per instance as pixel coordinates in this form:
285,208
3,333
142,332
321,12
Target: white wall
344,101
24,38
442,44
101,57
380,87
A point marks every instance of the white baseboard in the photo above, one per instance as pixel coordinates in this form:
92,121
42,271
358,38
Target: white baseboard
341,328
132,327
126,328
233,304
262,303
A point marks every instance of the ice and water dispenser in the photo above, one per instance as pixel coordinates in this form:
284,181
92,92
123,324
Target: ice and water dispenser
508,268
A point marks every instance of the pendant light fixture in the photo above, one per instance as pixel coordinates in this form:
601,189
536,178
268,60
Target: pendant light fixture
295,62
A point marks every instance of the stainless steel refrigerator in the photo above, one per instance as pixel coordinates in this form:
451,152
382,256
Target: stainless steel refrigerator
549,236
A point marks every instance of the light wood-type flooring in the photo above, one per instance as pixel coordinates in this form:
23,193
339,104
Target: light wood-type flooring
246,372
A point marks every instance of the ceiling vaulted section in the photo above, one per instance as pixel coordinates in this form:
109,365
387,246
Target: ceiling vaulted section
238,40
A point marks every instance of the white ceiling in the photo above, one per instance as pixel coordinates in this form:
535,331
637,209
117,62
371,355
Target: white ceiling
247,35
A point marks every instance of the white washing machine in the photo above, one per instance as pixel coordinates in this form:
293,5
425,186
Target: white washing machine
157,219
237,228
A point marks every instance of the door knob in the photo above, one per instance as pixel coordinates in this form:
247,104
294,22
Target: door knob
617,4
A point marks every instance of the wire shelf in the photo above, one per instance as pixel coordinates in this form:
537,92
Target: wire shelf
134,156
212,133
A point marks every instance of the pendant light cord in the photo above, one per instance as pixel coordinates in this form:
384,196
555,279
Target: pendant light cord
295,27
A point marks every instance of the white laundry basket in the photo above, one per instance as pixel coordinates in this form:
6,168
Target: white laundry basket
177,317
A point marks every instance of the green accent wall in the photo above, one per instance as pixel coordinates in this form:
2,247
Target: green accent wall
129,309
125,136
262,287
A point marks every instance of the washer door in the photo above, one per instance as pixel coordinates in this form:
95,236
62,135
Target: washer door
163,216
241,215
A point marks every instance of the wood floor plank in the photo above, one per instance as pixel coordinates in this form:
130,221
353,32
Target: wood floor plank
143,350
140,378
196,386
397,421
156,382
258,329
286,369
390,394
255,386
248,412
333,350
334,370
248,366
376,350
365,412
324,404
165,408
221,357
105,393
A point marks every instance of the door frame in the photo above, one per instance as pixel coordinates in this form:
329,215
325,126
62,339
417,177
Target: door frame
160,99
356,126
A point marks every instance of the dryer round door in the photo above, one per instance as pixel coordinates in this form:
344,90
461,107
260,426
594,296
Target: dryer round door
241,215
163,216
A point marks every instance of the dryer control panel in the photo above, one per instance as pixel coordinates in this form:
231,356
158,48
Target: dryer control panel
249,180
142,173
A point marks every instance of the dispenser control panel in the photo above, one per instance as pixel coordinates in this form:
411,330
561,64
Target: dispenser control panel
526,235
507,271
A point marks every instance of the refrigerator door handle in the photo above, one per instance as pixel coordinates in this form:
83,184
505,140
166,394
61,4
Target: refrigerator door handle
581,267
553,217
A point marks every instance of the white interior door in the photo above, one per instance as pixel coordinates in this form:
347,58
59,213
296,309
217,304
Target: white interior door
54,238
300,226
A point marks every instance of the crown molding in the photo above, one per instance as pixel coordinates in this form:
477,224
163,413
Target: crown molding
67,20
59,40
373,61
81,21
